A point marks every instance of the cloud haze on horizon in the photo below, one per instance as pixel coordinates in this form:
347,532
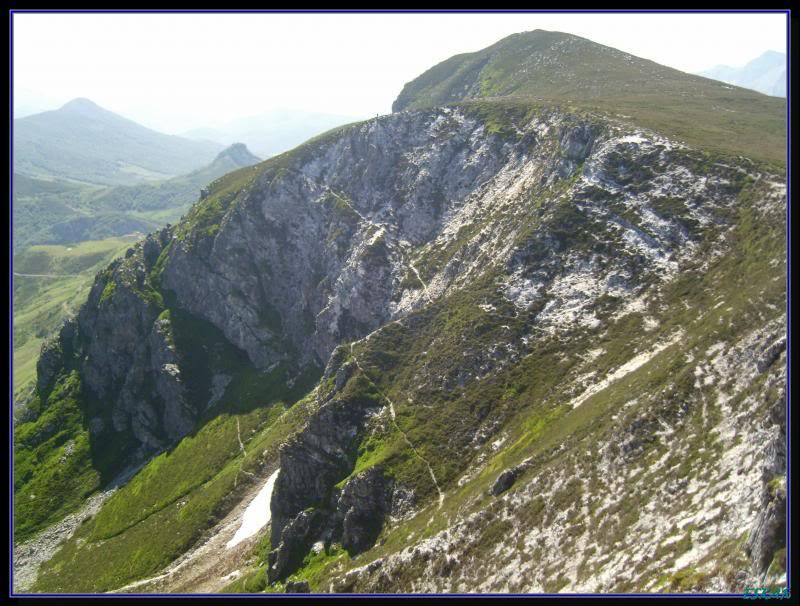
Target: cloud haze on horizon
178,72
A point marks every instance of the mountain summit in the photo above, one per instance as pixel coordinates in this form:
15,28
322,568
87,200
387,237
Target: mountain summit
82,141
236,155
82,105
564,69
549,65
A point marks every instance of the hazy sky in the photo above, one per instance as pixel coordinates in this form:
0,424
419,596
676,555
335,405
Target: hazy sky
176,72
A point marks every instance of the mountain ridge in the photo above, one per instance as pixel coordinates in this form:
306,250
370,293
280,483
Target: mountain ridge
84,142
494,345
766,74
559,68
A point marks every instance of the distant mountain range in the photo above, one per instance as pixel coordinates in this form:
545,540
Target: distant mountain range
83,142
178,192
61,212
765,74
272,132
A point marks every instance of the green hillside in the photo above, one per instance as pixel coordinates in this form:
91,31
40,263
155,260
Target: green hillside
565,69
177,193
84,142
62,212
510,338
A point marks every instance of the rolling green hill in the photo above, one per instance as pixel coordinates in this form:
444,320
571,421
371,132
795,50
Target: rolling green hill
62,212
560,68
83,142
39,204
175,194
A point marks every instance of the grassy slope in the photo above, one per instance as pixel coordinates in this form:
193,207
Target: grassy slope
53,469
574,72
174,195
165,509
41,203
61,212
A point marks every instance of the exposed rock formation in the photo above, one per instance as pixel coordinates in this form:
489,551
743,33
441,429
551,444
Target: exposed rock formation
426,259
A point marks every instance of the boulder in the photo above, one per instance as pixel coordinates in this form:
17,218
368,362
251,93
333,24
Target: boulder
297,587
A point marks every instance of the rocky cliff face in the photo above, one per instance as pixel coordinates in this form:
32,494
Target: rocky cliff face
124,353
618,217
585,310
317,243
315,251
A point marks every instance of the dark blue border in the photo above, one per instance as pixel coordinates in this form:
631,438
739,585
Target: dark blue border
12,12
788,299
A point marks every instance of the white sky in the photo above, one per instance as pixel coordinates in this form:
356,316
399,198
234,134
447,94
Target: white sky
176,72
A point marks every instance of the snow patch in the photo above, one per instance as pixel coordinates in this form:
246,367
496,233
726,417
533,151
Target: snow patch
257,515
